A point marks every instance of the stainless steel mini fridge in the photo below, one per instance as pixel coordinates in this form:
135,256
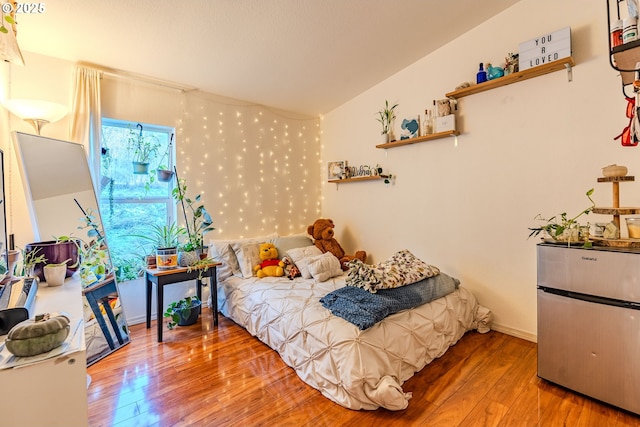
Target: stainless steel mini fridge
589,322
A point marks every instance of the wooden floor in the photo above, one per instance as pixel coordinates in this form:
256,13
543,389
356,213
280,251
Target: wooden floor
201,376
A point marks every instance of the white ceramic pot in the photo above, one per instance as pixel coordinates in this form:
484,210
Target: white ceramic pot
54,275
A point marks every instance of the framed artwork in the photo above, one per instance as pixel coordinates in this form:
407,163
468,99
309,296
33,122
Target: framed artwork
336,170
410,127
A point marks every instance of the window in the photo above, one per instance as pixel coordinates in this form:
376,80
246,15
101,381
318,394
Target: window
130,200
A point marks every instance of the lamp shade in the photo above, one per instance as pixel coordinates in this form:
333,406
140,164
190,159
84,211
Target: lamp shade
36,112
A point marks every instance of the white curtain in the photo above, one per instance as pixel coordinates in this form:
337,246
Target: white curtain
86,117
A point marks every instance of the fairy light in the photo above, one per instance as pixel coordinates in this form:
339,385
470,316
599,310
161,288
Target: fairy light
256,169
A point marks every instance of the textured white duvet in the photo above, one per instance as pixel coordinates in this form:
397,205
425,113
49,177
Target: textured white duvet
356,369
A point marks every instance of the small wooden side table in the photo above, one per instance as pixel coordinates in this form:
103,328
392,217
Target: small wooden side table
180,274
100,294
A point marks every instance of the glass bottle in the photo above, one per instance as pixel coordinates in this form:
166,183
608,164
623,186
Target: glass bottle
427,126
482,75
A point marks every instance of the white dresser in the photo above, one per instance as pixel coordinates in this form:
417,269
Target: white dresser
52,392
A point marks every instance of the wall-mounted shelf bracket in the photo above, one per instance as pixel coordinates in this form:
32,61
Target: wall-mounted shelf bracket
569,72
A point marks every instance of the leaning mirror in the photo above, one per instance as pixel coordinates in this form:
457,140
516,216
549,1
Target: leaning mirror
64,210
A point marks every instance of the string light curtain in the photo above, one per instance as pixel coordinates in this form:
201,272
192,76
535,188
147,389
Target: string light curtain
258,169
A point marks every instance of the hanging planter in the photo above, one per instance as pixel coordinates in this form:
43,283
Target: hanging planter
140,168
143,148
165,173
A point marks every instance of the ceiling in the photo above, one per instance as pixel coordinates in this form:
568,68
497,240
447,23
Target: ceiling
305,56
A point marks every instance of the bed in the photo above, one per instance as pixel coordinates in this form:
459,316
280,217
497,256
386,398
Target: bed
354,367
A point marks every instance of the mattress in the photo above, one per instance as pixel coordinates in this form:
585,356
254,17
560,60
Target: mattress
358,369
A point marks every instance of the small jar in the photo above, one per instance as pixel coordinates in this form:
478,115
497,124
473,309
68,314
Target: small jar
616,33
633,228
629,29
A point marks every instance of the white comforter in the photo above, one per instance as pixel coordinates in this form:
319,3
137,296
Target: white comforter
356,369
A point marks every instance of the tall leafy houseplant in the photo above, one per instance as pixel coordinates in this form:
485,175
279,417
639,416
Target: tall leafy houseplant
197,219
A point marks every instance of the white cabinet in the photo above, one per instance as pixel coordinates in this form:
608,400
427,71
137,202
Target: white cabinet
52,392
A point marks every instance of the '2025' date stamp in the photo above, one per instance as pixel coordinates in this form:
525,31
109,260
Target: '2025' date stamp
23,7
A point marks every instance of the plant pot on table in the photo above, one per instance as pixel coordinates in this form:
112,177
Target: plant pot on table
55,253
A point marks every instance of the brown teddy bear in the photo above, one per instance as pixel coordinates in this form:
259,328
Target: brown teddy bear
322,233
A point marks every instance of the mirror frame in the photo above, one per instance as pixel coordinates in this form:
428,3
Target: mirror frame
51,185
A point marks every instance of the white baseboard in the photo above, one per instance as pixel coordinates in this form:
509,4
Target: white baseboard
514,332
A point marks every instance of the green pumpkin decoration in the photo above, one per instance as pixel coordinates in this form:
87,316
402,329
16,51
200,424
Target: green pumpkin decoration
36,336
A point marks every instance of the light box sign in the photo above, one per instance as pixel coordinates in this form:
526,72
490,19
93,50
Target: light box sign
545,49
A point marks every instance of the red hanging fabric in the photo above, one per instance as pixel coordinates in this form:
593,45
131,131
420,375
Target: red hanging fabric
628,136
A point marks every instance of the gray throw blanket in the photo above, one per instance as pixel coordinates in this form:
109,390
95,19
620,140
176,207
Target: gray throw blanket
364,309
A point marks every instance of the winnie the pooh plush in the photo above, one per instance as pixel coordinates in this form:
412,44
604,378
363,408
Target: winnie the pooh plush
270,265
322,233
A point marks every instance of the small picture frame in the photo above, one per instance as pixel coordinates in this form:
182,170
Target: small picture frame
410,127
336,170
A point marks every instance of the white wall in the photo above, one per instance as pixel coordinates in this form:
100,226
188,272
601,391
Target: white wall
42,78
531,147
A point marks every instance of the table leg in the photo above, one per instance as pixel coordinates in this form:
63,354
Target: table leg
93,303
160,298
213,284
112,319
149,286
199,290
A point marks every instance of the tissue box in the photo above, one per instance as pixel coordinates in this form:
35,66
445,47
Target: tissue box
445,123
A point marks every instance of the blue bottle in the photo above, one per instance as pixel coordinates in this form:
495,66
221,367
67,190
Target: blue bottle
482,75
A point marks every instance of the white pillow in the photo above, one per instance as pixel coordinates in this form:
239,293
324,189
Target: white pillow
248,257
220,250
284,243
324,267
300,257
237,244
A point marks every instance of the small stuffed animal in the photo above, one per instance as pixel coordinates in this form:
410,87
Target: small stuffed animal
322,233
290,269
270,265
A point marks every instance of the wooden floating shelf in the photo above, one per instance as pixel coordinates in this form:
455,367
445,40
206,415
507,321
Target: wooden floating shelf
616,178
358,178
616,211
561,64
424,138
616,243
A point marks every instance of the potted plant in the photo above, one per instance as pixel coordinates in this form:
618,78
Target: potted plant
30,259
562,229
187,254
54,274
165,239
183,312
56,252
197,219
12,258
143,149
93,255
164,171
386,117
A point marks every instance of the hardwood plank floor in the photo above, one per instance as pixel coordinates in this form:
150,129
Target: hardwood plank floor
201,376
